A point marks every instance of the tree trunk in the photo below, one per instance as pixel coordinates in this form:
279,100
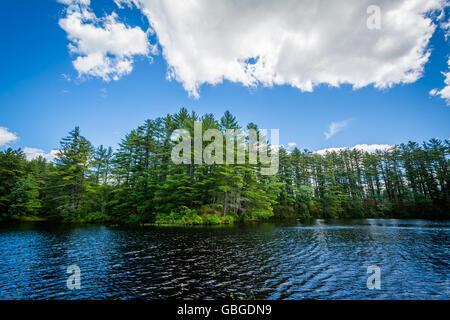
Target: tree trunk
225,200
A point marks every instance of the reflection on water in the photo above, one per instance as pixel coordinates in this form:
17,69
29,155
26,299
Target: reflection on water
323,259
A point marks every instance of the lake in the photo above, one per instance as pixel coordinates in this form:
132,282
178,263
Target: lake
321,259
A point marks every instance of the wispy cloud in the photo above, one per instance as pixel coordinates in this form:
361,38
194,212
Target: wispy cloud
103,92
66,77
370,148
335,127
6,136
445,92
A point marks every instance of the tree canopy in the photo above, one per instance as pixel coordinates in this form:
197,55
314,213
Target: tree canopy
138,182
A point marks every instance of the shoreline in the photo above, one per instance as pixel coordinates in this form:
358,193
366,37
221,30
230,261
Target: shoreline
42,220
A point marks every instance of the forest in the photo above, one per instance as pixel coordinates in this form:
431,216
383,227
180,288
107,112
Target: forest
138,184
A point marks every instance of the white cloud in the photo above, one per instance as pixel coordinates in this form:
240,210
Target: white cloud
6,136
291,144
370,148
445,92
105,46
73,2
334,128
34,153
298,43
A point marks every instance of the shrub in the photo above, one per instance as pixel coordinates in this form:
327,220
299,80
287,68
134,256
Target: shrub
229,219
183,215
211,219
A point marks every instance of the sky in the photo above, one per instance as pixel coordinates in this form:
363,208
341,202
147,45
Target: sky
327,75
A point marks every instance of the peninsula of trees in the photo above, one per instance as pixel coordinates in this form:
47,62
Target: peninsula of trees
138,183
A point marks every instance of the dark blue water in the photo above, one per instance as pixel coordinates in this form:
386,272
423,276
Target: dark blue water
319,260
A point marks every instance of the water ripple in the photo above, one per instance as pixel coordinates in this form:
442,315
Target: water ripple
320,260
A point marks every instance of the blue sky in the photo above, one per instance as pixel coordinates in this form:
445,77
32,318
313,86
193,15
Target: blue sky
40,105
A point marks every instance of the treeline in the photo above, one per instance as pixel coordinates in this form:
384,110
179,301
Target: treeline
138,183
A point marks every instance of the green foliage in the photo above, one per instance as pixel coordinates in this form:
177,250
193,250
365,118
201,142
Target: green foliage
186,216
304,200
229,219
183,215
211,219
12,168
139,184
73,166
24,197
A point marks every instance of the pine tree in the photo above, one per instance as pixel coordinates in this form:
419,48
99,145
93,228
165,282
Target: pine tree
12,168
73,169
24,197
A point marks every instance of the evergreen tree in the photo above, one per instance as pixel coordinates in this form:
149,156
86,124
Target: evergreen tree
139,183
73,170
24,197
12,168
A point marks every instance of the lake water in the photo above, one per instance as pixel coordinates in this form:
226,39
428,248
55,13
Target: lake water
316,260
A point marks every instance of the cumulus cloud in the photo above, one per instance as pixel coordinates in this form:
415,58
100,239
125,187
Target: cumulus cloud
335,127
104,46
34,153
298,43
370,148
291,144
6,136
